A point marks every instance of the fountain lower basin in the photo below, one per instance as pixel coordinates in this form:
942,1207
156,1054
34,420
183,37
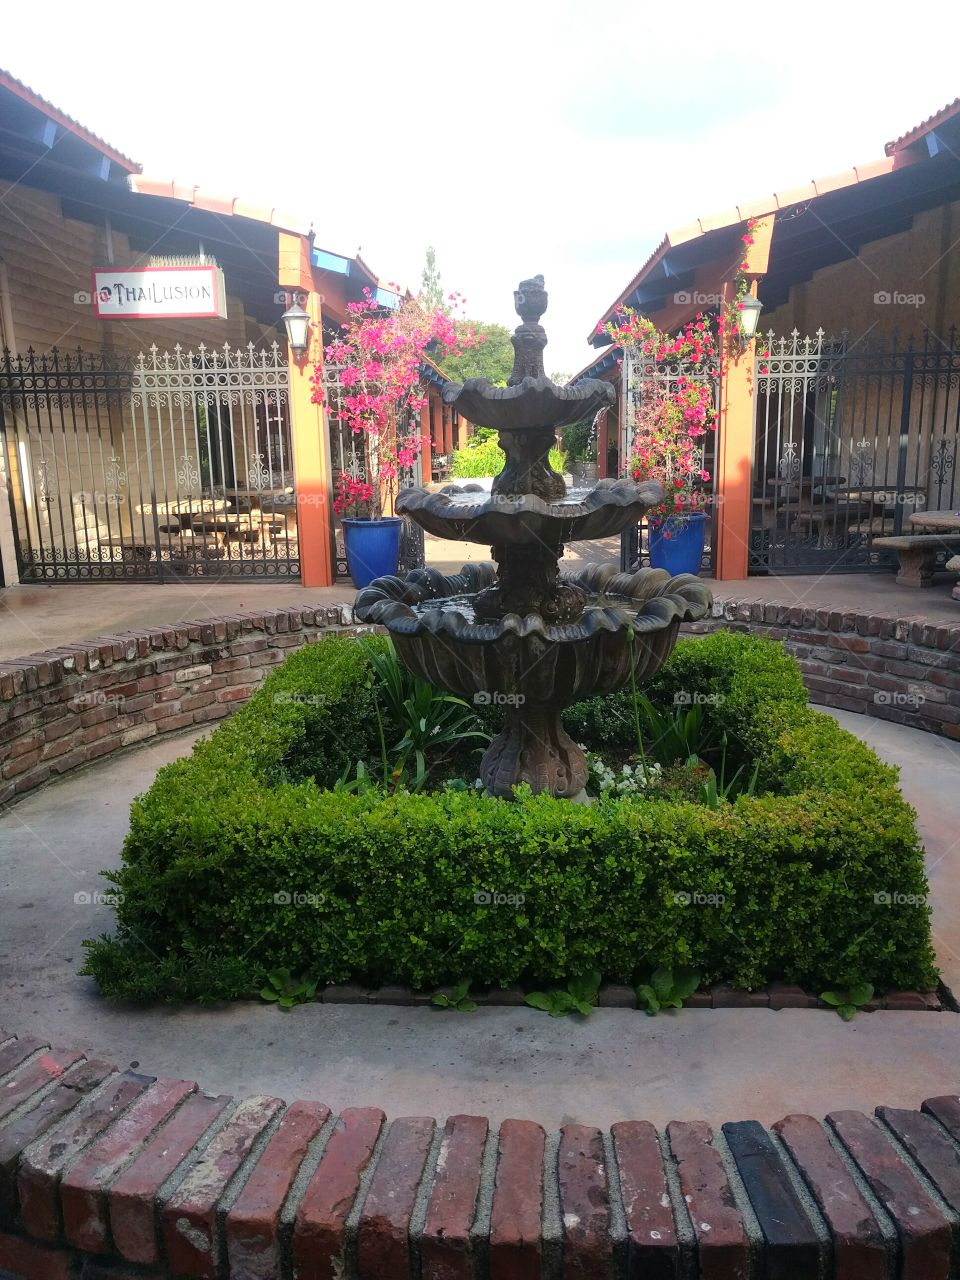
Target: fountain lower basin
528,665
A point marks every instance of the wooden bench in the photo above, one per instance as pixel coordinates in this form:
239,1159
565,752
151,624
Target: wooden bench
917,553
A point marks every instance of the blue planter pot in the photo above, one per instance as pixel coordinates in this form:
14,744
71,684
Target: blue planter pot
676,543
372,547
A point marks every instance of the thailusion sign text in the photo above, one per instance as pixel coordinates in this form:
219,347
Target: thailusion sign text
165,292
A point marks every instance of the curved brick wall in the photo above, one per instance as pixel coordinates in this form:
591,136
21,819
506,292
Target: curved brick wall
116,1174
67,707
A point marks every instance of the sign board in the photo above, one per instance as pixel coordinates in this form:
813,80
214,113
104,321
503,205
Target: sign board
159,293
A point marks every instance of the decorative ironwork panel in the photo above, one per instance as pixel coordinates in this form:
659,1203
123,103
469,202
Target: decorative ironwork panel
176,464
851,438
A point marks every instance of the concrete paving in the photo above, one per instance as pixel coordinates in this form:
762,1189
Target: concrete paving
39,616
717,1064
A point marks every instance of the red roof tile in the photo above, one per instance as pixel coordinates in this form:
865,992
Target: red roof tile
23,91
225,206
926,126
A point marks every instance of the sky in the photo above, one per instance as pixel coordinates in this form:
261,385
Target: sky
532,136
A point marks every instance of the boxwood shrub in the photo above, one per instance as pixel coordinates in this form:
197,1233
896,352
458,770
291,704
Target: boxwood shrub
240,859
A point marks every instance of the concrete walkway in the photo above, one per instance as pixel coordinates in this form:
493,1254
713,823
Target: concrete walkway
39,616
497,1061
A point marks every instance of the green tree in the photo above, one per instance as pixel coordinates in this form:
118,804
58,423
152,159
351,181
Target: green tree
491,359
431,290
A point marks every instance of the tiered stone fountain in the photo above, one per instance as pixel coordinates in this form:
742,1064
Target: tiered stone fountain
521,634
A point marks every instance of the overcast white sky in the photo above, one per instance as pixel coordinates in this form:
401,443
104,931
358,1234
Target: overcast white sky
553,136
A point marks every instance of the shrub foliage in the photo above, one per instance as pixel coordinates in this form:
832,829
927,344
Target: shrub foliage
241,860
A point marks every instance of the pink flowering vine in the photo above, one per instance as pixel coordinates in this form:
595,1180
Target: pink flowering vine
673,413
380,356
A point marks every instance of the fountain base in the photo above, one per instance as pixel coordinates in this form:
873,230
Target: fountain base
533,748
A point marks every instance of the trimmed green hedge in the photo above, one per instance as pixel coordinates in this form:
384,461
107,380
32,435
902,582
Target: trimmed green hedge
781,885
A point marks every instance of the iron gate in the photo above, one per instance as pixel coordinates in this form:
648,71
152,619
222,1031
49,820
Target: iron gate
176,464
850,439
637,374
348,457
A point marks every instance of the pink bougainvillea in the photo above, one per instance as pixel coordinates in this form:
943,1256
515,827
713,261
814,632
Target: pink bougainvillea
380,356
674,409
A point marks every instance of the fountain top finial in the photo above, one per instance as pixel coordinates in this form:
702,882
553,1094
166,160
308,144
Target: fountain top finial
530,299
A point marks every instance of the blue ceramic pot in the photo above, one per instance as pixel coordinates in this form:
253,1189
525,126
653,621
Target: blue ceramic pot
372,547
676,543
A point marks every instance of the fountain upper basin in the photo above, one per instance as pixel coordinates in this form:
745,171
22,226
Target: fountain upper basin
533,404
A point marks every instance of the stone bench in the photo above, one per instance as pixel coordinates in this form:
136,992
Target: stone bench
917,553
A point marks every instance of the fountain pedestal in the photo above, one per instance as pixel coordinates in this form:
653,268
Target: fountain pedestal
523,634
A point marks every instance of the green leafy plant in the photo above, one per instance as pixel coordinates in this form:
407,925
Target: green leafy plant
674,733
284,990
459,998
433,722
848,1001
718,790
578,996
482,456
667,989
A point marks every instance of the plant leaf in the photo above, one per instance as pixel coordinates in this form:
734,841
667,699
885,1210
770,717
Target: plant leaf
585,987
835,998
862,993
538,1000
662,981
685,983
268,993
847,1011
648,997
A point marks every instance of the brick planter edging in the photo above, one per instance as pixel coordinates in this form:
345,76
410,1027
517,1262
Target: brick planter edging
66,707
117,1174
902,669
775,995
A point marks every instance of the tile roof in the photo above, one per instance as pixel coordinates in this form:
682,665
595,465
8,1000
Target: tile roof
758,208
227,206
23,91
926,126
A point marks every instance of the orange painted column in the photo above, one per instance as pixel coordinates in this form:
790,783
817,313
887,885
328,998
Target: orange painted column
735,462
311,457
310,441
736,424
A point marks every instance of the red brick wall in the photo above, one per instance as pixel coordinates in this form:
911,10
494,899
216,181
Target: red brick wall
70,706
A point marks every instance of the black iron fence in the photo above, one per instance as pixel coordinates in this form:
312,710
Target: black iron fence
851,439
170,465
